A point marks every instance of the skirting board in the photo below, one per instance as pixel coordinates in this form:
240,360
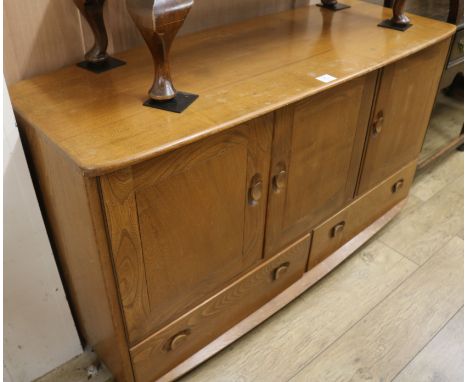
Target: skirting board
277,303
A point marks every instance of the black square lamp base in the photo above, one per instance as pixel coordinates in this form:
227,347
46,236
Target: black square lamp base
178,104
101,67
391,25
334,7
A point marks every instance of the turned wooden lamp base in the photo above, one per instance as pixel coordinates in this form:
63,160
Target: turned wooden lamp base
178,104
100,67
399,21
334,7
392,25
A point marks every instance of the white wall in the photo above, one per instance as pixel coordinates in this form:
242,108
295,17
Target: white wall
39,332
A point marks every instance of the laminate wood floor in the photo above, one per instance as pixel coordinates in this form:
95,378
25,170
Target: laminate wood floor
392,312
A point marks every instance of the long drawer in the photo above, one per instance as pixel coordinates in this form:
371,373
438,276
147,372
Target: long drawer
343,226
173,344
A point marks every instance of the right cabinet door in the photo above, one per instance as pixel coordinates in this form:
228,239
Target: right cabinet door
401,115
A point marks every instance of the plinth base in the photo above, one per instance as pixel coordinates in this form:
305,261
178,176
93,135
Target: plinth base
391,25
178,104
101,67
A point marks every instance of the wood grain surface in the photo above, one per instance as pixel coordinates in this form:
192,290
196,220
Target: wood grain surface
75,221
314,144
46,35
359,214
184,222
152,358
240,72
404,102
280,347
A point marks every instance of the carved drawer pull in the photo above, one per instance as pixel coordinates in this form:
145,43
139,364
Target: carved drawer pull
279,180
377,125
178,340
336,230
255,190
280,271
398,186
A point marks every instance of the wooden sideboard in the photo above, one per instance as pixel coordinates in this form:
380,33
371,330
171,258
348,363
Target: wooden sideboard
178,233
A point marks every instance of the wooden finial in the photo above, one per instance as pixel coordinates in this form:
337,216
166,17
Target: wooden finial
159,21
92,10
399,20
399,17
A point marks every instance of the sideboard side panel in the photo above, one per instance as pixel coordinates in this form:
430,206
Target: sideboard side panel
76,224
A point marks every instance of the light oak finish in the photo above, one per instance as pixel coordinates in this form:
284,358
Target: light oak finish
46,35
84,258
113,130
308,150
406,95
293,337
359,214
278,349
184,222
155,355
196,220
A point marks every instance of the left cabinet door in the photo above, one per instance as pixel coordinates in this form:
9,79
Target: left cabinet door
184,225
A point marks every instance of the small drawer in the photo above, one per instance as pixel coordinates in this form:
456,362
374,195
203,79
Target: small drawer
165,349
457,49
347,223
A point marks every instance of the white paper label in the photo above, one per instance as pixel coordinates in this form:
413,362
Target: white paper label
326,78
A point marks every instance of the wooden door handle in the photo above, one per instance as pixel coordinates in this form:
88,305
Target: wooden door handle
279,180
255,190
280,271
378,123
398,185
336,230
178,340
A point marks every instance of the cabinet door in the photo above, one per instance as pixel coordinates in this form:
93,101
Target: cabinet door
404,103
317,150
184,225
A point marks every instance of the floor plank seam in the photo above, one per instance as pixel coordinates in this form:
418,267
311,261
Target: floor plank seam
354,324
423,202
428,342
401,254
370,311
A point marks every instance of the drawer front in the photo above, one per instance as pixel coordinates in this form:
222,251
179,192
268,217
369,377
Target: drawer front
343,226
457,47
159,353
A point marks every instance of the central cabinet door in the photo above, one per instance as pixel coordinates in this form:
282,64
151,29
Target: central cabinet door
317,150
185,225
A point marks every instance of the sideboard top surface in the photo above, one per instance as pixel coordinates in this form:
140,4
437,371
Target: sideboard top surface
240,71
